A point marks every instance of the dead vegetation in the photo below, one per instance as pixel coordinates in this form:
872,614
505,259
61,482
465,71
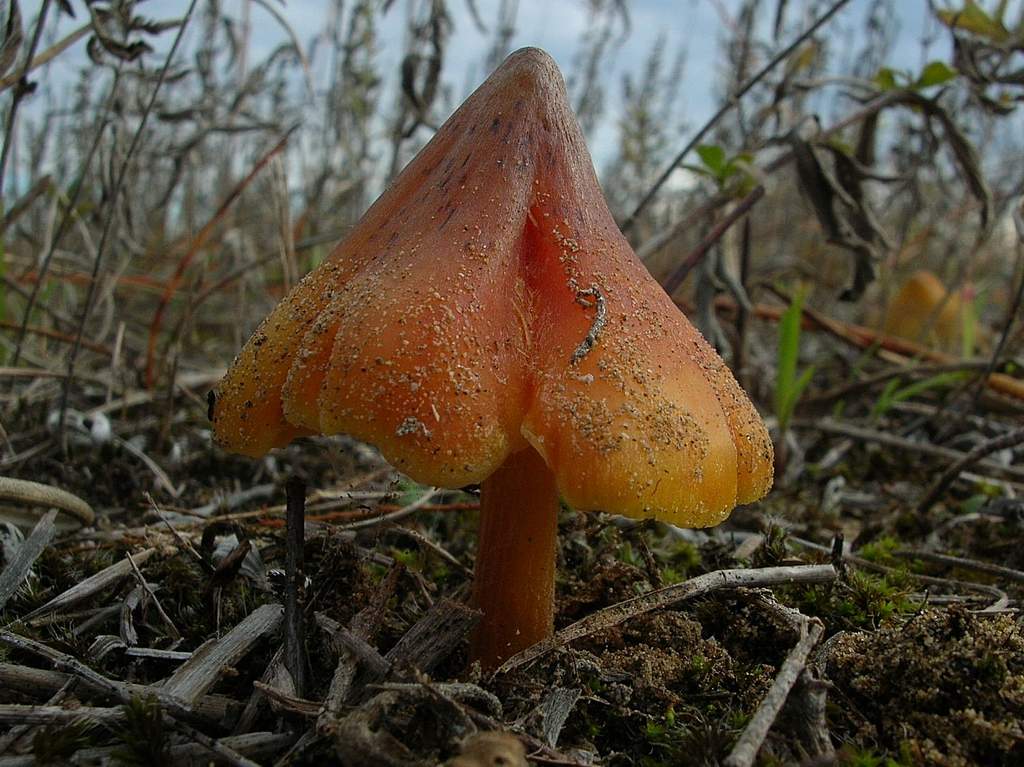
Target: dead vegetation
865,613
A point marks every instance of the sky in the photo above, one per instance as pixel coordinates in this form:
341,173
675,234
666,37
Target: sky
697,27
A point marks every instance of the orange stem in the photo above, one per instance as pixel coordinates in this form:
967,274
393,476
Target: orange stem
514,581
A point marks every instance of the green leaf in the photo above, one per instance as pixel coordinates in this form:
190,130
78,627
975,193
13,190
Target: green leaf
935,73
968,328
793,396
885,79
892,394
713,156
972,18
885,399
788,386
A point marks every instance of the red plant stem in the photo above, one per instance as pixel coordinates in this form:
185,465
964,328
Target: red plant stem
514,581
194,248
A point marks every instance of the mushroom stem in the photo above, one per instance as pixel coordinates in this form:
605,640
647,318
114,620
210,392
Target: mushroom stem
514,584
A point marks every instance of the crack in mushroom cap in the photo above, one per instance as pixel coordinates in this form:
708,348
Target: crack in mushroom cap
447,329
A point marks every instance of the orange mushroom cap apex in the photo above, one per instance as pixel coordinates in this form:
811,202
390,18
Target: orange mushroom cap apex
486,302
915,314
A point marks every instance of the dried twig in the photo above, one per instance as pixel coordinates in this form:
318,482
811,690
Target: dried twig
364,625
831,426
749,743
46,56
19,567
172,630
727,106
214,710
108,223
13,713
25,492
198,674
174,709
664,597
21,91
1002,600
679,274
257,746
90,586
434,636
962,562
294,613
393,516
1003,441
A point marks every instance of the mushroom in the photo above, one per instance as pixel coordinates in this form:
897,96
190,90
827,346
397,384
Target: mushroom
924,311
487,323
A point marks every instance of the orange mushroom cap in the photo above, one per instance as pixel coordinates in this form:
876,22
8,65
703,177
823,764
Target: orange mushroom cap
914,312
487,302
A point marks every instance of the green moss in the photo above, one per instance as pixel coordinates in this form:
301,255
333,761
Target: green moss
855,757
858,601
56,744
880,550
692,739
943,687
143,735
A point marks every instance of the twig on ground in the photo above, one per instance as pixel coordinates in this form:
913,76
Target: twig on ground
291,703
185,544
20,565
216,710
15,713
975,456
12,736
831,426
295,576
1002,600
172,629
434,636
200,672
162,479
174,709
257,746
393,516
364,625
90,586
967,564
749,743
661,598
24,492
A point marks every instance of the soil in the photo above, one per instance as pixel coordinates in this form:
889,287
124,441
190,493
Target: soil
917,672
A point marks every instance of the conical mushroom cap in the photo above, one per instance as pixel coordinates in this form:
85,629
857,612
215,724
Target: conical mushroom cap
488,301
